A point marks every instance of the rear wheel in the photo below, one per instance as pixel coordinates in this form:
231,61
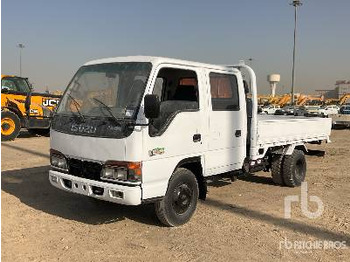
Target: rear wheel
10,125
276,169
180,200
294,168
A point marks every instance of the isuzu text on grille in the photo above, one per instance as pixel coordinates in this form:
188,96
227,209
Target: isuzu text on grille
83,128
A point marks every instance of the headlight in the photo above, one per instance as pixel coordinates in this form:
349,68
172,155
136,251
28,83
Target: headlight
121,171
58,160
118,173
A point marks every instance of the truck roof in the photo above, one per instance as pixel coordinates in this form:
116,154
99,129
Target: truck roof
159,60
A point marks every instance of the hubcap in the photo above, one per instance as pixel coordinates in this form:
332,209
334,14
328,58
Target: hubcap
181,200
7,126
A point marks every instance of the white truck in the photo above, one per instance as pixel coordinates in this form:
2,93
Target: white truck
134,130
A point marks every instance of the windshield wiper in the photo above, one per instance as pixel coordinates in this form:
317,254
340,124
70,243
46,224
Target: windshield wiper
108,109
76,104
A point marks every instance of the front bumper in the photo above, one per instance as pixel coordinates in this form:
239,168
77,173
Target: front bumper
126,195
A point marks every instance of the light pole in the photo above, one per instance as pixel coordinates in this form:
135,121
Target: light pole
251,61
20,46
296,4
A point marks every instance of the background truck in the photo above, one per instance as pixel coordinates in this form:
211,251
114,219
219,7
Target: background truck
134,130
15,94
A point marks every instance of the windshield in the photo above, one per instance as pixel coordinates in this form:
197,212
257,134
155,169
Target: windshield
15,84
106,90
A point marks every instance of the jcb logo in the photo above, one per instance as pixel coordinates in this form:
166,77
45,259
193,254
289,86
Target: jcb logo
50,102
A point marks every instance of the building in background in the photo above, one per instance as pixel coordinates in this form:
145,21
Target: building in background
342,87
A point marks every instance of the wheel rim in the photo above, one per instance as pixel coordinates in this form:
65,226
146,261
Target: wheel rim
181,198
300,170
8,126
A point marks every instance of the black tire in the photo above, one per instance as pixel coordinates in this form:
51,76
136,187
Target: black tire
294,168
10,125
182,186
40,132
276,169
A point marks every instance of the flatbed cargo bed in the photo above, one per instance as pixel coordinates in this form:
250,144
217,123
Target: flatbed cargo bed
283,130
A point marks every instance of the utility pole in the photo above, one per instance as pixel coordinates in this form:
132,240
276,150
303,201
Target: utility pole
20,46
296,4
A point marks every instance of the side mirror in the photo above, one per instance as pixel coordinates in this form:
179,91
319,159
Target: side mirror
28,102
152,106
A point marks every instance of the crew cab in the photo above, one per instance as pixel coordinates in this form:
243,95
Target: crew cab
135,130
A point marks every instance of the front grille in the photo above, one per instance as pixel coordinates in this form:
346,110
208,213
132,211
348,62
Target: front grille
85,169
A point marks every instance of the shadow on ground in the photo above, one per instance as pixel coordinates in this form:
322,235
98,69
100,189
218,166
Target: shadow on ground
33,188
25,134
307,229
20,148
253,178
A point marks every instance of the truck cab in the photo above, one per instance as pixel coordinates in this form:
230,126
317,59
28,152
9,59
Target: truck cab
134,130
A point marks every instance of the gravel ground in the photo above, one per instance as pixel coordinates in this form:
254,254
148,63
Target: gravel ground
241,220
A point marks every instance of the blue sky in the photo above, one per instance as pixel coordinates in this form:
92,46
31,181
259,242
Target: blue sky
62,35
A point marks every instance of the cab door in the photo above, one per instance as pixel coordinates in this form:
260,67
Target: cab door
179,132
227,122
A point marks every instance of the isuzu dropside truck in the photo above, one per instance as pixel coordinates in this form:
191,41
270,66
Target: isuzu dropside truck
135,130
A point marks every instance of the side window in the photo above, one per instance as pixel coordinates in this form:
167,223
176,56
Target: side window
9,84
158,87
224,92
178,92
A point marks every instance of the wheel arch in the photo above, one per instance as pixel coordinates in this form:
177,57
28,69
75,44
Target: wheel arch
15,110
303,148
194,164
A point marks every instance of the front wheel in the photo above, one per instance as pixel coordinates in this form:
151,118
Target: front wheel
180,200
10,125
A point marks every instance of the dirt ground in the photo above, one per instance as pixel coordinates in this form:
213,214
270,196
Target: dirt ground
242,221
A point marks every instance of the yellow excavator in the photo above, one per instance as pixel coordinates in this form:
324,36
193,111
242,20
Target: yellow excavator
22,108
345,99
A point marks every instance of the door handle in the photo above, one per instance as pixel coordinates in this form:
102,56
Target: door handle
197,138
238,133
